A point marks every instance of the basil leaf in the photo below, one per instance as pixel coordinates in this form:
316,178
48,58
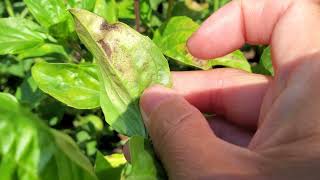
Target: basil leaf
43,50
128,63
47,12
17,34
172,39
266,60
109,166
75,85
144,164
106,9
28,93
31,150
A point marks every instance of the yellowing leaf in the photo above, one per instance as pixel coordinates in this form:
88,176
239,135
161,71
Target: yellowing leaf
128,62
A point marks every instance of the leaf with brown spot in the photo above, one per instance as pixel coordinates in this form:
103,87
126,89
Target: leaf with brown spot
172,37
128,62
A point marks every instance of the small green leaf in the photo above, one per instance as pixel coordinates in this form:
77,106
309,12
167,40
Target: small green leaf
31,150
75,85
145,165
106,9
43,50
172,38
47,12
126,9
17,34
28,93
128,63
89,119
88,4
9,66
109,167
266,60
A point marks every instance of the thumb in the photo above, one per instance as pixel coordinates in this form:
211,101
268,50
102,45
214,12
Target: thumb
184,141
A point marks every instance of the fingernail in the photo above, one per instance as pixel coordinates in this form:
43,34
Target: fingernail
152,98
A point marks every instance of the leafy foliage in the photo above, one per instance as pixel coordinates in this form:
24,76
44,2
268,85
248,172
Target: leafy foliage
172,38
74,85
62,72
17,35
31,150
128,64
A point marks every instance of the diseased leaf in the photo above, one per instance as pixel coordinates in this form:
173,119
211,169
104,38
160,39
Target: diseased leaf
47,12
17,34
106,9
128,63
172,38
31,150
266,61
43,50
144,164
75,85
109,167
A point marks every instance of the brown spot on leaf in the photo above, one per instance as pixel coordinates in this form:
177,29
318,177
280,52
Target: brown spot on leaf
105,46
106,26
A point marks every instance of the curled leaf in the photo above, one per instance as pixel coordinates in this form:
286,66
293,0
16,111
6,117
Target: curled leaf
172,38
128,62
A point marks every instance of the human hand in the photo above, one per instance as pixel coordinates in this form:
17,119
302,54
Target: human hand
284,110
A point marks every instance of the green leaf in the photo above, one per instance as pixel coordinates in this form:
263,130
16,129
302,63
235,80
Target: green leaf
75,85
94,120
31,150
128,63
192,9
9,66
43,50
84,4
145,165
126,9
106,9
17,34
155,3
47,12
28,93
172,39
109,167
88,4
266,61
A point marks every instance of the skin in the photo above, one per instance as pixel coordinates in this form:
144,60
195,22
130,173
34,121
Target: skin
266,128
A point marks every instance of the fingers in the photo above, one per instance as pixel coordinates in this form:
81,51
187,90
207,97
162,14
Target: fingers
291,27
230,132
235,94
181,135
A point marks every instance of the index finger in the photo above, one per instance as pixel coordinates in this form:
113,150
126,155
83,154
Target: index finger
291,27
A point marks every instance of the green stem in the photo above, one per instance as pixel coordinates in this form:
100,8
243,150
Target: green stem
216,4
9,8
24,12
170,7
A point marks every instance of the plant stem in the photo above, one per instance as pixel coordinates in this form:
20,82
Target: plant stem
137,14
9,8
170,7
24,12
